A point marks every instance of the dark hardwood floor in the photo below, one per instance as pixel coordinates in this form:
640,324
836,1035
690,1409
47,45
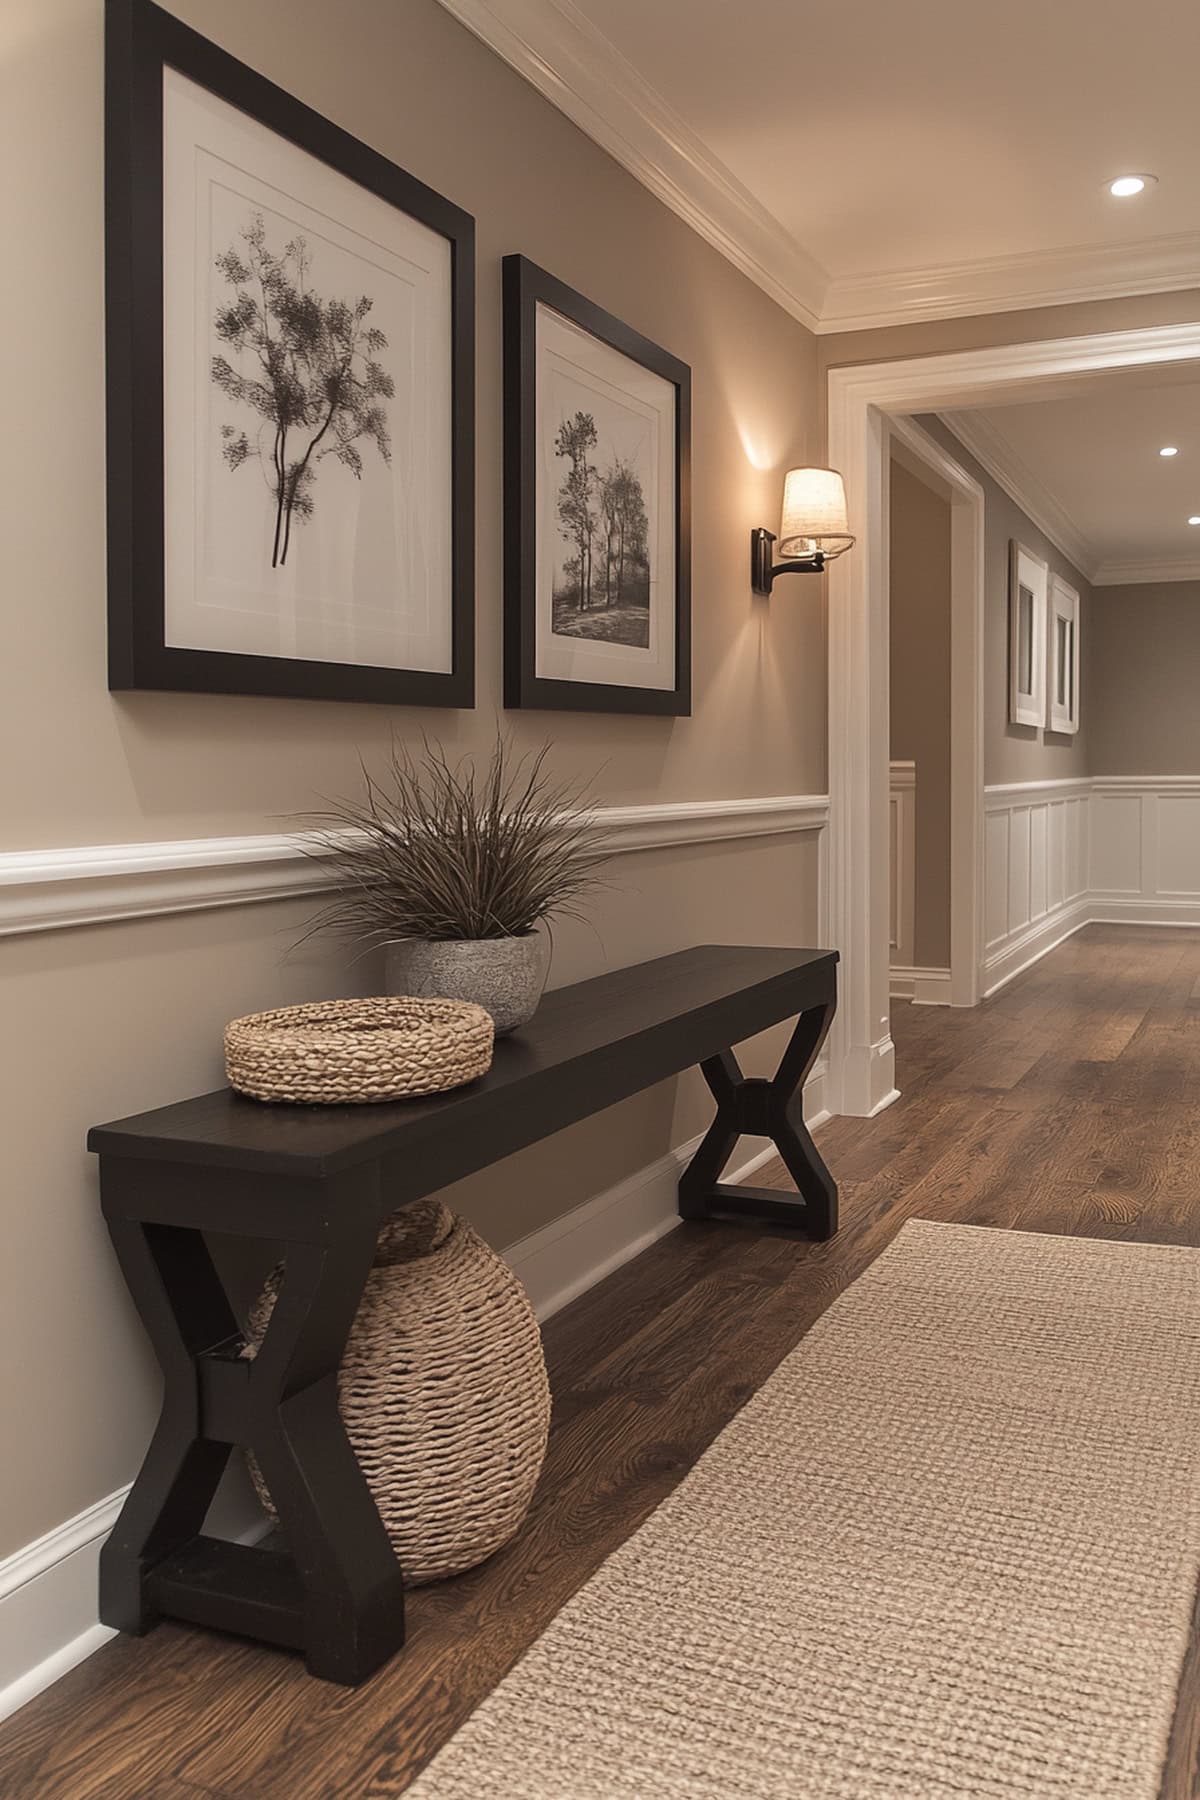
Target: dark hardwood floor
1067,1104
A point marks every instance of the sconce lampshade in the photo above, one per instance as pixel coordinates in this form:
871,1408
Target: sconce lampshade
814,514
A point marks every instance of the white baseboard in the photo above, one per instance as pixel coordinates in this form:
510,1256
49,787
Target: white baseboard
48,1604
924,987
1037,940
48,1590
1030,945
1153,910
574,1252
865,1081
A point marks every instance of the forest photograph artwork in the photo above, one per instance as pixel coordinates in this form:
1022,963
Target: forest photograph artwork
303,374
597,462
603,575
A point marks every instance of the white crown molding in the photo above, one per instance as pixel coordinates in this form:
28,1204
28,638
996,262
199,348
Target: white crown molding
1047,369
570,62
1133,573
44,890
1012,283
992,450
575,66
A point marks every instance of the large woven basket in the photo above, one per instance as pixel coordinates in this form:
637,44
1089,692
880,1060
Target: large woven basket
443,1392
354,1052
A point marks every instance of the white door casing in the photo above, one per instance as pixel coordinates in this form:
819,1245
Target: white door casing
862,398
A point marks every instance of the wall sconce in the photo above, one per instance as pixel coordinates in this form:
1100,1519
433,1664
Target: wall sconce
812,532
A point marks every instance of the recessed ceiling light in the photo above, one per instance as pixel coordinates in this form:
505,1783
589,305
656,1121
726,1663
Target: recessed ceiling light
1168,450
1126,186
1195,519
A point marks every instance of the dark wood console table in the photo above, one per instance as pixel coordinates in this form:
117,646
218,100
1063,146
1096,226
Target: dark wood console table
321,1181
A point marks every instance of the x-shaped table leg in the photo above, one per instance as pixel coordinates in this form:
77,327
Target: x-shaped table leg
752,1106
335,1590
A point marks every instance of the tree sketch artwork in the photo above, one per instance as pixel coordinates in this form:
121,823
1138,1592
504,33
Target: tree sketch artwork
307,367
602,586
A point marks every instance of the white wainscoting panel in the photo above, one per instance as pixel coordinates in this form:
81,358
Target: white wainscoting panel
1057,854
1035,871
1146,849
926,987
995,858
903,820
1116,842
1178,838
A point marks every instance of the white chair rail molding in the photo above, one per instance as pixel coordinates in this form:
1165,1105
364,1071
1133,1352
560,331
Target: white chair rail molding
87,884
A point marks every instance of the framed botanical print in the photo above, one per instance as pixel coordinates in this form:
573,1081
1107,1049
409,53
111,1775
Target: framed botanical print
1026,636
290,322
1063,684
597,424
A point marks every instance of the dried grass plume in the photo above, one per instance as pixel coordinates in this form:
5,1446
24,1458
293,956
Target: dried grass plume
448,851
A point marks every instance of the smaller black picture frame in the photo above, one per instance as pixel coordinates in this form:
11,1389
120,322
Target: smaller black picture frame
525,287
140,41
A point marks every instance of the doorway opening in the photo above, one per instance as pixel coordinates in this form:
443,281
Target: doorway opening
870,411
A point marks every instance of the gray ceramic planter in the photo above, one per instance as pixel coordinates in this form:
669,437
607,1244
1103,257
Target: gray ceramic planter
505,975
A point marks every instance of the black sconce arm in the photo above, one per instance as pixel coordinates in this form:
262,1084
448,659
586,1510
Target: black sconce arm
763,571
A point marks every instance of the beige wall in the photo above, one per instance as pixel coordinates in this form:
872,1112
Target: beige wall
421,89
1017,752
114,1018
919,607
1143,650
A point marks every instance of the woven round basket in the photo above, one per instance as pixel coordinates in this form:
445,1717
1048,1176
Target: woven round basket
443,1392
354,1052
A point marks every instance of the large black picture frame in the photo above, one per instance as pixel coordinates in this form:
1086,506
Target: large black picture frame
142,40
526,286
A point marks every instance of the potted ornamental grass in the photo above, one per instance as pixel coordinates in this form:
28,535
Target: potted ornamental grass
457,870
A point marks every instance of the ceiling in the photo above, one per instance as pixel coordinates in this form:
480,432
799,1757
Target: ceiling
1087,469
874,163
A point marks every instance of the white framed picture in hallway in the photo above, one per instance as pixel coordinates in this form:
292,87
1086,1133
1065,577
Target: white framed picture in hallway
1063,713
1027,582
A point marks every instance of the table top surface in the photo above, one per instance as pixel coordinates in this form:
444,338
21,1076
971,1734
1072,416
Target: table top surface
644,1012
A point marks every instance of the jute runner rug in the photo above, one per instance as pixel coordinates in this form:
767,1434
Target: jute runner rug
948,1549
